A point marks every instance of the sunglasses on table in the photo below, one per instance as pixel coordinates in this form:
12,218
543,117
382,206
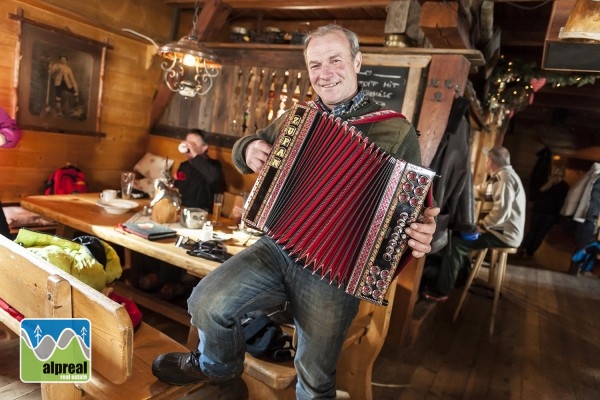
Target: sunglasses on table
210,250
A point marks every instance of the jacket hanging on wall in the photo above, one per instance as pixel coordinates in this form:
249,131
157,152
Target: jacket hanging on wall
453,192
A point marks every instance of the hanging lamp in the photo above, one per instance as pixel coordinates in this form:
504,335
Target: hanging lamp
189,67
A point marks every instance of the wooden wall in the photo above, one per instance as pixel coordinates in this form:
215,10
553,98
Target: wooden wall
127,95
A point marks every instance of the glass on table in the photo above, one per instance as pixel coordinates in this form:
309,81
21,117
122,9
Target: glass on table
217,208
127,179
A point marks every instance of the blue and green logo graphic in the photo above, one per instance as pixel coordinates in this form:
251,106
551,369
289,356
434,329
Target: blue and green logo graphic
56,350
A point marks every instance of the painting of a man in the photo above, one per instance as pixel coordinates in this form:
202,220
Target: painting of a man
60,81
64,81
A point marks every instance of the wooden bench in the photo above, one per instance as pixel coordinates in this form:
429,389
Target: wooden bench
121,358
366,336
17,218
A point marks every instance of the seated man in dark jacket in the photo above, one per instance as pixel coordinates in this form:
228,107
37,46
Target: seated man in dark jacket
200,177
197,179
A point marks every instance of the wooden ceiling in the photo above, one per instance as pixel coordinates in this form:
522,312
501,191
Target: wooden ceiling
569,111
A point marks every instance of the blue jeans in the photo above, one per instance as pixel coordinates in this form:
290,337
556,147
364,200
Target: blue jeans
263,276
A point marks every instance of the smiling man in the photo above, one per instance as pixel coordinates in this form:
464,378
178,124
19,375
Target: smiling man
265,275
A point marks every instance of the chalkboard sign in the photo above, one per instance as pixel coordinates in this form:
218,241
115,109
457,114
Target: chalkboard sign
385,84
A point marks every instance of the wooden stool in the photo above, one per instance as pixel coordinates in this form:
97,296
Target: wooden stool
497,269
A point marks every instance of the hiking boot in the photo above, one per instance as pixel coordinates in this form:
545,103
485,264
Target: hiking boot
178,368
184,369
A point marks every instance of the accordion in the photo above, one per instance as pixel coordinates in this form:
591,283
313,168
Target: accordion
337,202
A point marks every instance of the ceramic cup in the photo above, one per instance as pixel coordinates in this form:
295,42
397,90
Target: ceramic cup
108,195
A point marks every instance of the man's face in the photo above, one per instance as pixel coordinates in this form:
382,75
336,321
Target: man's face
332,70
196,144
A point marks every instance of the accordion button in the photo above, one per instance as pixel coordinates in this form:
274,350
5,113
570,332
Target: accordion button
366,290
414,202
404,215
423,180
419,191
411,175
385,274
408,187
380,283
387,257
375,270
403,198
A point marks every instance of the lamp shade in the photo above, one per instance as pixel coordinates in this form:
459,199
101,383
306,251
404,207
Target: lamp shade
189,45
189,68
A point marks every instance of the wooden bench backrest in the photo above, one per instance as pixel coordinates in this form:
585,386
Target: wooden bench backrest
23,286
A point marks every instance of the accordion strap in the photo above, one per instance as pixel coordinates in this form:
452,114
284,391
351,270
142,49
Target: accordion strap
368,118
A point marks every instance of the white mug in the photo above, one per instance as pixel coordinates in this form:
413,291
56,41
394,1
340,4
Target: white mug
108,194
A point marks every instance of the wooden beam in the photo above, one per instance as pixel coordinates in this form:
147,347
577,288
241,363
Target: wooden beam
444,25
566,101
447,78
211,19
289,4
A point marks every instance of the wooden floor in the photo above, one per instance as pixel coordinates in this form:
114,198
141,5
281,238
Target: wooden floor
546,344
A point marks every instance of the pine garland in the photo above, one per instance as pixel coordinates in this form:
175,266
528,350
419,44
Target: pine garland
513,83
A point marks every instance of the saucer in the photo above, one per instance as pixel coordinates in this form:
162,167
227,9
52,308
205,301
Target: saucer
117,206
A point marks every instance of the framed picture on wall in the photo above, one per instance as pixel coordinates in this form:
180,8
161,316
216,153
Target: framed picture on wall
60,81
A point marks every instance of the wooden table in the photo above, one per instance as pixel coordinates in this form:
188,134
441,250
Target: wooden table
79,212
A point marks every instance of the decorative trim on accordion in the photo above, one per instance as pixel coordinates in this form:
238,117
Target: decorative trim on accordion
372,281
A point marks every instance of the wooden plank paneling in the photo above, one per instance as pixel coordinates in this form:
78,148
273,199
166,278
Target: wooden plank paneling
127,95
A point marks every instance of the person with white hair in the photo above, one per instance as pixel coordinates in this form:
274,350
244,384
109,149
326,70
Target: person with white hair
501,222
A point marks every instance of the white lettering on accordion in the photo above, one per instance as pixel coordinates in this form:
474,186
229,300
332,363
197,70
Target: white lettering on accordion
285,142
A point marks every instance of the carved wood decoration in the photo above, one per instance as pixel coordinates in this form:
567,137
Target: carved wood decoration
243,99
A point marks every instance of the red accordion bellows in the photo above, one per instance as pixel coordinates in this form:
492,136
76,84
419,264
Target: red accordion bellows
337,202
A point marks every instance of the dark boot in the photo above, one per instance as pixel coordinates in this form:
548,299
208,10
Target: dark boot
184,369
178,368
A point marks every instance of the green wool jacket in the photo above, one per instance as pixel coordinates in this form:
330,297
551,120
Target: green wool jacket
397,136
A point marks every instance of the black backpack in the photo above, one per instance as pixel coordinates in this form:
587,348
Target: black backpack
264,338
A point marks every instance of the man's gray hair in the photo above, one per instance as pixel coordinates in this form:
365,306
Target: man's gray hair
499,155
326,29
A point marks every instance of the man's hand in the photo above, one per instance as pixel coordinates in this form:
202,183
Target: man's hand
421,233
256,154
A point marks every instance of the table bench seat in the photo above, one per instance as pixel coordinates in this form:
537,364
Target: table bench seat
121,358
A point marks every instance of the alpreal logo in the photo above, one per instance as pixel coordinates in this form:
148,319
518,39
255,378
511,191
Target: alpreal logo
56,350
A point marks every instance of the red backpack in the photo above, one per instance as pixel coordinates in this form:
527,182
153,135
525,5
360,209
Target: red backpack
65,180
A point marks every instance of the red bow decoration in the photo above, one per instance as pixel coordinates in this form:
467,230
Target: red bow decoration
537,83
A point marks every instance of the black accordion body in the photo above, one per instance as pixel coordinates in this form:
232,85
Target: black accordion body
337,202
